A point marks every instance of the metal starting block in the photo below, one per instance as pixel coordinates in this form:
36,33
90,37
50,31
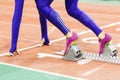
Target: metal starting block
74,53
110,51
109,55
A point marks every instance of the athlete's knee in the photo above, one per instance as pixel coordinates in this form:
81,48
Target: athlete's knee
41,4
74,12
71,11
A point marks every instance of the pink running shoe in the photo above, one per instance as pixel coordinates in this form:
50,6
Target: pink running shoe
70,41
104,42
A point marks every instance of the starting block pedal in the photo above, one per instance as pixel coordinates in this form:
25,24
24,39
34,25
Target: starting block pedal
74,53
110,51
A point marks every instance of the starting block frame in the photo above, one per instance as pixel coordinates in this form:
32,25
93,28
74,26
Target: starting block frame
109,55
74,53
110,51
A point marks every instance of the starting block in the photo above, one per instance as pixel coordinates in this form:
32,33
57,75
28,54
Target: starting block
74,53
109,55
110,51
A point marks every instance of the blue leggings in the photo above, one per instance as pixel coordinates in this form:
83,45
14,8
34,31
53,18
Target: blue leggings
46,10
73,11
17,20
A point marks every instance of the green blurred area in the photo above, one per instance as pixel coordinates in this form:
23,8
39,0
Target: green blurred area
105,2
16,73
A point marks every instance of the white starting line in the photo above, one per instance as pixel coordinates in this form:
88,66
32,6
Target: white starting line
44,55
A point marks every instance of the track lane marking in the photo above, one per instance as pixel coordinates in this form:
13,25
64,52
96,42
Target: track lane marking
47,72
62,38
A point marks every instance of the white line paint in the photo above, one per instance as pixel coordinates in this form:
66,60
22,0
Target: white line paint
92,71
31,69
106,26
43,55
53,29
84,61
117,29
118,45
84,32
60,39
96,68
3,54
59,52
80,62
92,40
30,25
